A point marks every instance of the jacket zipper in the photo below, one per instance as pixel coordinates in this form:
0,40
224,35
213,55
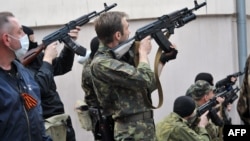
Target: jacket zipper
27,118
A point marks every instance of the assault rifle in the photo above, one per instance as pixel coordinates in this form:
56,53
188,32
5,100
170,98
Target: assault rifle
212,111
209,106
157,29
61,35
225,83
229,99
231,96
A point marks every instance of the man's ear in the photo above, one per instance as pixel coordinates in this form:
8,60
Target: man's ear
206,97
5,39
118,36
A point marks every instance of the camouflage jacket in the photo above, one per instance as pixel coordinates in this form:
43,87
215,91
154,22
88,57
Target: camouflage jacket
243,105
175,128
120,86
87,85
213,131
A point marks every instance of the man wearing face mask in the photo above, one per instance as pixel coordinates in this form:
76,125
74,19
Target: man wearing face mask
31,37
24,42
44,67
20,105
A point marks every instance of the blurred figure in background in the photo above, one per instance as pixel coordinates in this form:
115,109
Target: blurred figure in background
45,67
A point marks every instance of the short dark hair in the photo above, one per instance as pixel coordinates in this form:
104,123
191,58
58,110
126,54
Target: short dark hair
108,24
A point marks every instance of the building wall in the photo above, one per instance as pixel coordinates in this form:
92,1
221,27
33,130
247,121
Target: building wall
56,12
207,44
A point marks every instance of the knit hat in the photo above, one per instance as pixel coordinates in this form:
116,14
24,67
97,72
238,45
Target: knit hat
205,76
184,106
199,89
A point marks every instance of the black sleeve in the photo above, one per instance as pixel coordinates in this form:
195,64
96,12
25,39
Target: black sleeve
44,77
64,62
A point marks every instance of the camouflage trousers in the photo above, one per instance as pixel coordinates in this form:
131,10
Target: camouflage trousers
141,130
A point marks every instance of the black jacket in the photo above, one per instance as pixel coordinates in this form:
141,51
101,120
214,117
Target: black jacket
44,74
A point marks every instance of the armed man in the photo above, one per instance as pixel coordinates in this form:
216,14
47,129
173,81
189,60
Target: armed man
120,86
222,86
175,126
202,92
44,67
91,117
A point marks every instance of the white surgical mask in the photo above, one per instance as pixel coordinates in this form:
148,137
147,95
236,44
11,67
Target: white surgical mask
24,42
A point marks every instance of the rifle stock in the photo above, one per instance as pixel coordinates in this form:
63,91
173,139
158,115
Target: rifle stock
31,54
61,35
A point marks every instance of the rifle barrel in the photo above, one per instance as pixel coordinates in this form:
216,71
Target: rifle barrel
200,5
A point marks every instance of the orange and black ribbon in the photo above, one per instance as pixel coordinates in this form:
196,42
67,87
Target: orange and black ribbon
29,101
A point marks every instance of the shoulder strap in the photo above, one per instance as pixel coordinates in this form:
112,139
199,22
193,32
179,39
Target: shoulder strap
158,83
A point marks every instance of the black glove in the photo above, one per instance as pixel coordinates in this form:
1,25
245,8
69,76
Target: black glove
165,57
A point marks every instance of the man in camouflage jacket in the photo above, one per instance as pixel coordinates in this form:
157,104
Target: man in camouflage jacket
120,86
175,127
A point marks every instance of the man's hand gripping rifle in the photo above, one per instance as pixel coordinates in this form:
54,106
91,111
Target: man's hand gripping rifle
61,35
157,29
226,85
210,106
230,97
